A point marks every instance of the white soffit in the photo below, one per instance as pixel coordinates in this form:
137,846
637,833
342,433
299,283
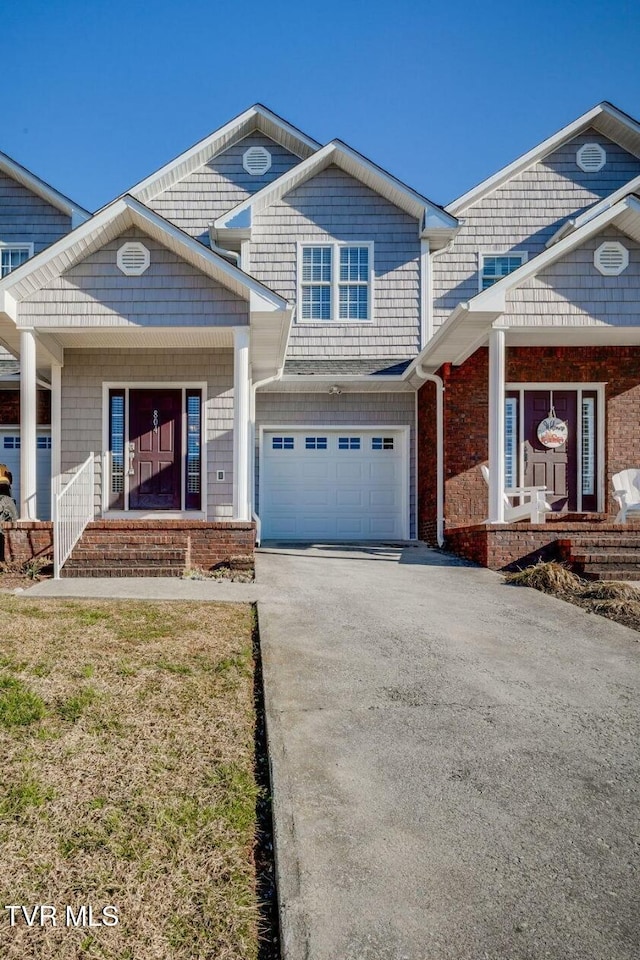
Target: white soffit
256,118
605,118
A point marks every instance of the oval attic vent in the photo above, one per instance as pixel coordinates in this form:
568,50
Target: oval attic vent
611,258
591,157
133,259
256,161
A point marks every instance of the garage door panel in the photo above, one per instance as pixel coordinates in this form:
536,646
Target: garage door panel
332,485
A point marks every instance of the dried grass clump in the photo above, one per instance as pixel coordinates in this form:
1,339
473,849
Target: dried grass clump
621,610
609,590
549,577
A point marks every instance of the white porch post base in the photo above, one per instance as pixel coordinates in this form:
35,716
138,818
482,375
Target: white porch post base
28,415
241,419
497,352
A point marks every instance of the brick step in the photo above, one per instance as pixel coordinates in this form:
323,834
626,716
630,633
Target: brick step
83,552
611,573
607,556
587,543
120,571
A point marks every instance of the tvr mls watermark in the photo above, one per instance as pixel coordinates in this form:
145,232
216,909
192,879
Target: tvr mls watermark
47,915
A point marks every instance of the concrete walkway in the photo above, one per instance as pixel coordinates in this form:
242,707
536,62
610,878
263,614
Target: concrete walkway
454,762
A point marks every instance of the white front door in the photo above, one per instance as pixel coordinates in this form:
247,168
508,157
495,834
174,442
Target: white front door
328,484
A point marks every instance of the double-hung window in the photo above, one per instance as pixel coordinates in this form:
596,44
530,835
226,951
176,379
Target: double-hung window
335,282
13,255
494,267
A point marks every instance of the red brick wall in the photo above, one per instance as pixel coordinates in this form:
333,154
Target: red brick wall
466,420
22,541
10,407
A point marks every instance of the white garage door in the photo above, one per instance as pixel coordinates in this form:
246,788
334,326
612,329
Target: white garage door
320,484
10,454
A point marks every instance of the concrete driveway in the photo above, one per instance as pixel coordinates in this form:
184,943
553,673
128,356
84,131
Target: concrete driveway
455,762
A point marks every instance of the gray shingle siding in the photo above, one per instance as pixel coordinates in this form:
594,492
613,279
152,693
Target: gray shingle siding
334,206
218,186
352,409
573,292
524,213
83,375
170,293
27,218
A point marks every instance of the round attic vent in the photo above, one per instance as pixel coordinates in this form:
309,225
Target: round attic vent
133,259
256,161
611,258
591,157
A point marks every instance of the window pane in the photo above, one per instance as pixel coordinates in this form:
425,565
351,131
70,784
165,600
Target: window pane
316,303
588,446
510,442
494,268
354,303
116,443
354,264
12,257
193,443
316,265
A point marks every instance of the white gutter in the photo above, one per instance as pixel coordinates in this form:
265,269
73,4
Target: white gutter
434,378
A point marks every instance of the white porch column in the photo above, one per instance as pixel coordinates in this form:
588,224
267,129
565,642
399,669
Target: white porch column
56,428
28,414
496,424
241,419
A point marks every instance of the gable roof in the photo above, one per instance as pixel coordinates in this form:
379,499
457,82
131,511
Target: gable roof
574,223
434,221
256,118
42,189
467,326
270,315
107,225
605,118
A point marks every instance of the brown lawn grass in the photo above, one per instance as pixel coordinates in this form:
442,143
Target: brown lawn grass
126,777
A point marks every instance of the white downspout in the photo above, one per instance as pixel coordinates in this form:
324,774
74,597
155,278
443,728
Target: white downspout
434,378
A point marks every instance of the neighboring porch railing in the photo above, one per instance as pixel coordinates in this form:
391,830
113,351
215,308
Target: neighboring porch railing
73,509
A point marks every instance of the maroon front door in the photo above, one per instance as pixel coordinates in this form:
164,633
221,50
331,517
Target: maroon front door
155,444
556,469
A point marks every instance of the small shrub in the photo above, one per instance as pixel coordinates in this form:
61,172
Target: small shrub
548,577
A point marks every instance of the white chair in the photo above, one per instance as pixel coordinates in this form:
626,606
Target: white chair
533,509
626,490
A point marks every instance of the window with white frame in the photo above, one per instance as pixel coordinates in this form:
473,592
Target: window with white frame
495,266
12,257
335,282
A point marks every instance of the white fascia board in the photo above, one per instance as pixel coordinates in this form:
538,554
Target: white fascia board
632,187
44,190
216,142
494,298
533,156
430,216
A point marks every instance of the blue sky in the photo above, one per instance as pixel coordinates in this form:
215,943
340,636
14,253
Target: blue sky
96,95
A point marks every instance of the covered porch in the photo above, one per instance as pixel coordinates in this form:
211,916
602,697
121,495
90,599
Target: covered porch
152,378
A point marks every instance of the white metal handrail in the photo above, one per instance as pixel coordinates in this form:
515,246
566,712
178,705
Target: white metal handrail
73,509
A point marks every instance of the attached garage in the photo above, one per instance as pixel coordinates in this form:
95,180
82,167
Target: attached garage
328,483
10,455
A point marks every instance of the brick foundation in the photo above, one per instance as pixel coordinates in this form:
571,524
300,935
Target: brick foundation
24,540
466,416
201,544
